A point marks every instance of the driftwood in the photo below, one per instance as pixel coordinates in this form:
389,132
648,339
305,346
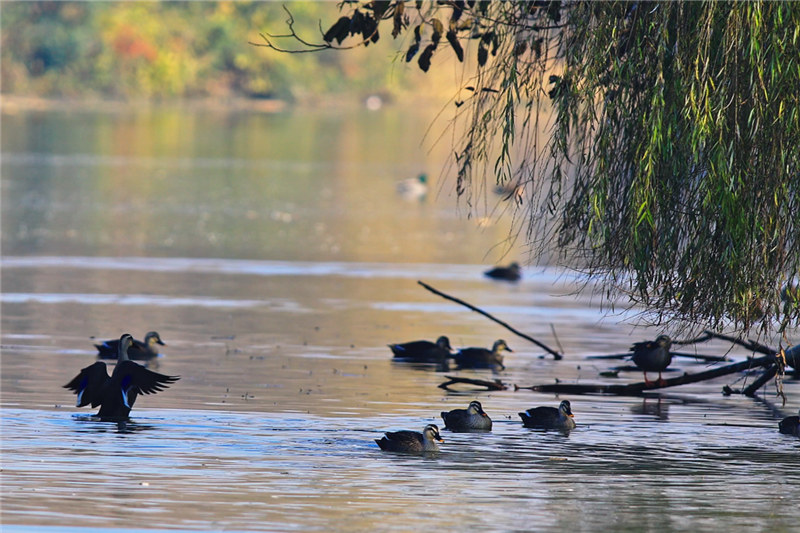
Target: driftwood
762,380
557,356
749,344
489,385
636,389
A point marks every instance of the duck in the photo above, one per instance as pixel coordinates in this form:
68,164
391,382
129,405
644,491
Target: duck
549,417
481,357
790,426
512,272
653,356
411,441
473,418
424,351
139,351
413,188
117,393
511,190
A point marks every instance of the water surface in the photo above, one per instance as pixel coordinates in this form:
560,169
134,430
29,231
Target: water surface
275,259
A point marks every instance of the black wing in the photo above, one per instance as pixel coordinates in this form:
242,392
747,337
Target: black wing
89,384
133,377
644,346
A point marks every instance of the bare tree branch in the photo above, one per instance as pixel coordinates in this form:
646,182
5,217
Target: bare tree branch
557,356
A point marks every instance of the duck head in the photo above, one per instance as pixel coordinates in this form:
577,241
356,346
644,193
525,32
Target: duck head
500,345
444,343
125,342
664,341
475,408
431,432
566,409
153,338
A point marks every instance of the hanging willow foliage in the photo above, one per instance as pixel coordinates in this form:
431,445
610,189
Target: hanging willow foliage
669,172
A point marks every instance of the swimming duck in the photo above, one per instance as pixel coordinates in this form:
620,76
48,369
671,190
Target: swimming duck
511,272
473,418
424,351
653,356
411,441
116,394
790,426
139,350
511,190
481,357
413,188
549,417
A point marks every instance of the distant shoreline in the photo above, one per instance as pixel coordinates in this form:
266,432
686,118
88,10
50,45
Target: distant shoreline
11,103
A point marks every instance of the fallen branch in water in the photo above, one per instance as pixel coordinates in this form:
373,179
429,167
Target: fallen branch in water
557,356
636,389
749,344
707,358
706,336
490,385
762,380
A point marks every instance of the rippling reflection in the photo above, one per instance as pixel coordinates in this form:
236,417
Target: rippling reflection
312,471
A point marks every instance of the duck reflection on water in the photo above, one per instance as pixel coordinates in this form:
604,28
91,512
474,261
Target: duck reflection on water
652,407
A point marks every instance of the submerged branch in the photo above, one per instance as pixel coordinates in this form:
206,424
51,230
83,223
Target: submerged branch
697,356
557,356
636,389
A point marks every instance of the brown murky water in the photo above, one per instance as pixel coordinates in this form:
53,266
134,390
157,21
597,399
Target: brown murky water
276,260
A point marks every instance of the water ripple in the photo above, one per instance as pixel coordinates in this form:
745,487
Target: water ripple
145,300
263,267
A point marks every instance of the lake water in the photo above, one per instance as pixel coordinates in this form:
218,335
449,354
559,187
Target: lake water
274,257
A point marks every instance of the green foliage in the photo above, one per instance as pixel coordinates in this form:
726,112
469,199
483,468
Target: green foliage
669,171
153,50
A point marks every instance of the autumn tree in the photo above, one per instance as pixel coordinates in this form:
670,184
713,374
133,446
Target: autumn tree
657,143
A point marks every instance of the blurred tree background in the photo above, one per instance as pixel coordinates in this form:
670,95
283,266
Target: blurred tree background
168,50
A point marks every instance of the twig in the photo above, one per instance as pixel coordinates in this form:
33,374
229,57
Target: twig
702,338
555,336
490,385
312,47
557,356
